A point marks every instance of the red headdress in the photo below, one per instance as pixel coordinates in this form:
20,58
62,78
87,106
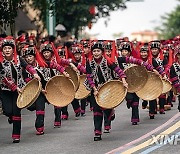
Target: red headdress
29,50
111,45
78,48
62,51
9,41
50,47
155,44
176,51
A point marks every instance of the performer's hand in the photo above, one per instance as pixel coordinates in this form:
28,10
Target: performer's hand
156,72
95,92
66,74
165,77
73,67
36,76
125,84
19,90
44,91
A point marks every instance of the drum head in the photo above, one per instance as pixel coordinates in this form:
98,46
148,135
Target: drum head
82,92
60,91
136,78
74,77
152,89
166,86
29,94
111,94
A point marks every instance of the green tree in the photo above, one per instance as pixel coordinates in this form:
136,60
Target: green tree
170,24
8,11
74,14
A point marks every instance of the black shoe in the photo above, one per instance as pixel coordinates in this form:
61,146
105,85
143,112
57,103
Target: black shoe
97,138
77,114
106,131
83,114
16,140
162,112
10,120
151,117
134,123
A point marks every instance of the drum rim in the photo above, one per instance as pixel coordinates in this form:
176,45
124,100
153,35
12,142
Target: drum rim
134,65
83,75
36,96
146,83
125,93
61,77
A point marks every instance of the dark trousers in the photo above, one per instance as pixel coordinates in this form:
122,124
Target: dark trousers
179,103
39,106
162,102
133,99
170,97
75,105
57,113
90,102
11,110
83,105
99,113
152,107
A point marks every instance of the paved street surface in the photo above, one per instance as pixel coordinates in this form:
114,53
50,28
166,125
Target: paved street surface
76,136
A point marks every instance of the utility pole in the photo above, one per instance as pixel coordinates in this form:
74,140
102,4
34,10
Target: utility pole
51,19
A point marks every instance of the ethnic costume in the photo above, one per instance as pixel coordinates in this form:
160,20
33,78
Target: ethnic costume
51,71
98,73
175,73
62,51
152,103
11,80
158,63
39,104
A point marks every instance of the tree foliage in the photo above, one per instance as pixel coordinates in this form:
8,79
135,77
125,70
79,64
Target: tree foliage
170,24
74,14
8,11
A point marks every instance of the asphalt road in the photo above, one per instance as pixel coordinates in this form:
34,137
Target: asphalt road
76,136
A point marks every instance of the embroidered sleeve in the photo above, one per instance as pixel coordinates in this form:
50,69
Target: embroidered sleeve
120,72
9,83
54,65
117,69
148,66
81,68
65,61
31,70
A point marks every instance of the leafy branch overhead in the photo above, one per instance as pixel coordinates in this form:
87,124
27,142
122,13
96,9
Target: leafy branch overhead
74,14
170,26
8,11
